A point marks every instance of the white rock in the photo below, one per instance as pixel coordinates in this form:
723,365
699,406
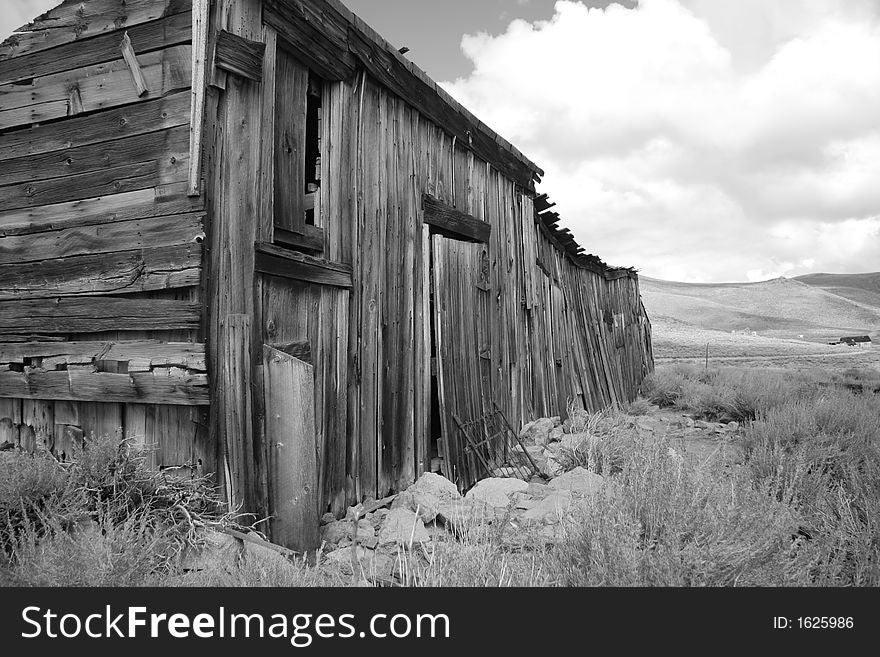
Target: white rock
426,495
342,529
555,434
550,509
580,481
459,515
367,563
553,468
496,491
537,432
403,526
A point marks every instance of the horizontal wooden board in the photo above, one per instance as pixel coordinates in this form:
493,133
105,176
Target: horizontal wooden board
148,116
98,86
86,385
238,55
155,35
103,273
311,238
277,261
188,355
450,220
154,232
123,178
75,20
159,145
152,202
96,314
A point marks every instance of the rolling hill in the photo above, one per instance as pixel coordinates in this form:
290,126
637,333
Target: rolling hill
862,288
806,313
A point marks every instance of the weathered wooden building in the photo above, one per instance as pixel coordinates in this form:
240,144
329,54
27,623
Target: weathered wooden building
254,235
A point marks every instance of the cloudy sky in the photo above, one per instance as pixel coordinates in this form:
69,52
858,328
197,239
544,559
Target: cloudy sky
697,140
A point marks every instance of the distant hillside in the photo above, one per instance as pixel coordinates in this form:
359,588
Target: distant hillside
779,308
863,288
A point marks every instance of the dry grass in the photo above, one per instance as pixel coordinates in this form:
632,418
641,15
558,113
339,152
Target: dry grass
803,508
101,519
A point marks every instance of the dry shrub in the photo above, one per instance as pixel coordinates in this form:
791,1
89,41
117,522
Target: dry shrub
138,519
822,456
666,522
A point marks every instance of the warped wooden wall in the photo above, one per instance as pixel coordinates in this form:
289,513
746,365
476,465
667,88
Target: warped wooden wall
548,340
100,245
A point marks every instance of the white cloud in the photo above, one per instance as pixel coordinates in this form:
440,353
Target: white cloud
690,138
20,12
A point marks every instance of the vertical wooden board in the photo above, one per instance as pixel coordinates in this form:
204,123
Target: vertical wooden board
173,431
266,179
135,423
371,231
40,414
100,418
423,353
10,420
389,390
290,430
235,379
409,198
319,326
338,409
353,417
291,85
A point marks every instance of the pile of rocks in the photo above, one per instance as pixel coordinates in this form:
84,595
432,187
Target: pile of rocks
432,511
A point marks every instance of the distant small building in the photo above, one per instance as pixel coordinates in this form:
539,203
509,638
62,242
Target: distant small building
863,341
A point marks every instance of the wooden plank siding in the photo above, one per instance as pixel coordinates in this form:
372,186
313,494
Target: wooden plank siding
101,248
153,263
536,341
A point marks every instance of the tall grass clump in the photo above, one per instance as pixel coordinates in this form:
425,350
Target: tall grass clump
606,437
664,521
725,395
102,519
822,457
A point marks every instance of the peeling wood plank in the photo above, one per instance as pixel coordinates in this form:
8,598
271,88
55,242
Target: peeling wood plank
460,224
311,238
200,11
314,43
125,178
266,180
288,385
180,387
141,204
155,232
291,86
235,399
95,314
160,145
149,116
188,355
134,66
98,87
154,35
276,261
240,56
111,273
76,20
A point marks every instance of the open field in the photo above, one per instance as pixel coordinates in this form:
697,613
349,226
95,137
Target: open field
822,308
780,308
720,477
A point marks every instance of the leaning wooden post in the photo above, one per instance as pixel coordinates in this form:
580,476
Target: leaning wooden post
236,410
288,389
